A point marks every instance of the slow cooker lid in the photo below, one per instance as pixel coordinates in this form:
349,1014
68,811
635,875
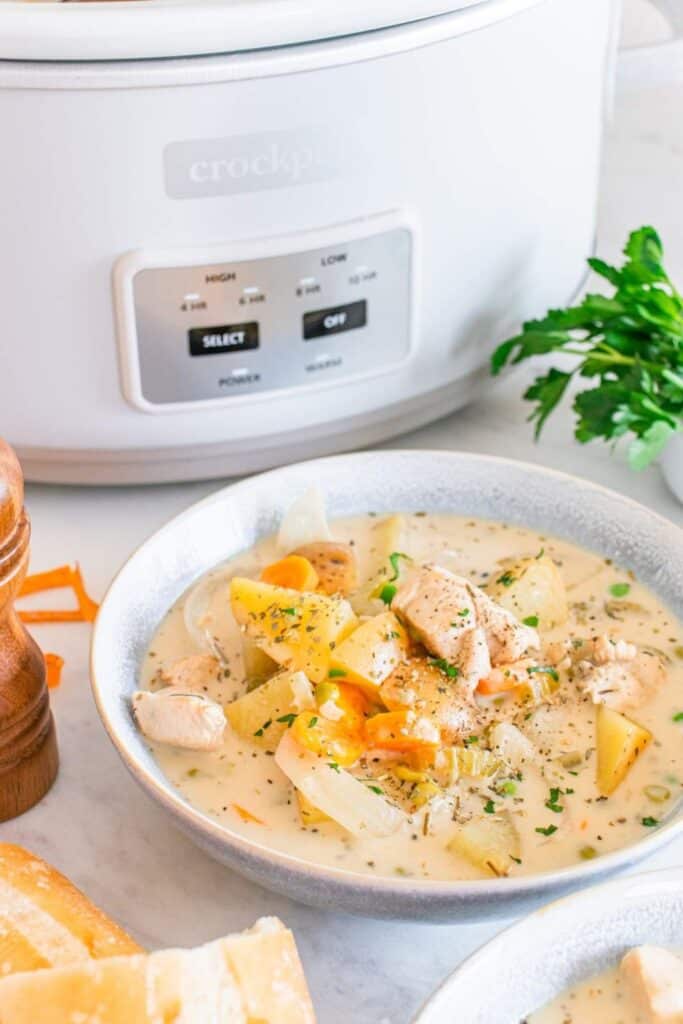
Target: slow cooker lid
46,30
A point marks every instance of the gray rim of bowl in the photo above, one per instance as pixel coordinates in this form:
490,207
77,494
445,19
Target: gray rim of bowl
531,886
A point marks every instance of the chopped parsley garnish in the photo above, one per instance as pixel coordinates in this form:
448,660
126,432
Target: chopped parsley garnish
541,553
313,722
508,788
287,720
334,766
650,822
461,615
531,620
387,593
507,579
394,560
469,740
678,717
620,589
552,803
376,789
489,807
548,831
516,859
192,772
336,673
289,611
452,671
628,348
546,670
266,725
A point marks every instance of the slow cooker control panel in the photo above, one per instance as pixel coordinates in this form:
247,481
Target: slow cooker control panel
195,330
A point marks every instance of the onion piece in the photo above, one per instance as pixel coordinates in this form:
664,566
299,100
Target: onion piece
207,615
336,792
512,746
304,522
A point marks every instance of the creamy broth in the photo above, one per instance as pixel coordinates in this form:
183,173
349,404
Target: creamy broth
560,800
607,998
604,999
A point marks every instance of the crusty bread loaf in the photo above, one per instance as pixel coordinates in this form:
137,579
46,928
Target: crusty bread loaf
46,922
252,978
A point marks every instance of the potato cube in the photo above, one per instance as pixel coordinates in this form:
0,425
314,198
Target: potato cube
296,629
371,653
620,741
491,843
263,715
532,589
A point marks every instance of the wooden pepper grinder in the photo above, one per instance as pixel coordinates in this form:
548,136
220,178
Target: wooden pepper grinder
28,742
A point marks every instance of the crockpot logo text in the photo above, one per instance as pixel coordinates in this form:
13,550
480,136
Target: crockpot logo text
289,164
249,163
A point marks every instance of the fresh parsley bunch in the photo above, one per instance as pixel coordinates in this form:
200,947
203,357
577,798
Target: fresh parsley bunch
630,343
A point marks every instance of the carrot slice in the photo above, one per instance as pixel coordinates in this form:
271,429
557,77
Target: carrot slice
401,730
294,572
55,579
246,815
497,682
54,664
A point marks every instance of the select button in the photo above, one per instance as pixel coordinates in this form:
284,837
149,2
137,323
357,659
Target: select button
323,322
206,341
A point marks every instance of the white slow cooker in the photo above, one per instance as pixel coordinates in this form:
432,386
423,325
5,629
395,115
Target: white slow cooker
242,232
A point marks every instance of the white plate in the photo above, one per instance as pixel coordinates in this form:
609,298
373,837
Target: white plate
528,965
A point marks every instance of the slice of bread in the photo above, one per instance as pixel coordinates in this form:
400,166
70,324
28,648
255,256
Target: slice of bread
252,978
46,922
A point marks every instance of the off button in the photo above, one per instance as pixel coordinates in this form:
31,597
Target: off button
323,322
206,341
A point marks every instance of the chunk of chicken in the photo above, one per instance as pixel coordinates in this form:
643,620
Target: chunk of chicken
439,609
194,674
424,687
616,673
335,564
508,639
605,650
655,978
179,718
442,609
474,660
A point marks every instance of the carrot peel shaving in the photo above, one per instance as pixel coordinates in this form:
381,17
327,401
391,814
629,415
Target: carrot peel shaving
56,579
54,663
246,815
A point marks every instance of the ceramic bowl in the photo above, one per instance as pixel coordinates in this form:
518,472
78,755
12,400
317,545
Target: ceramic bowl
529,964
672,465
234,518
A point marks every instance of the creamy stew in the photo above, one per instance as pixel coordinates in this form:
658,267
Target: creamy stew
423,696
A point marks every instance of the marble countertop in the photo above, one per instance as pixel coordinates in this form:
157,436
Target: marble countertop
98,827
